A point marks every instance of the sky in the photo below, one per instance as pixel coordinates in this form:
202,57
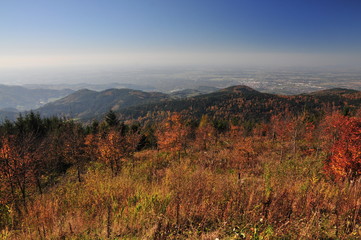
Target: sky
44,33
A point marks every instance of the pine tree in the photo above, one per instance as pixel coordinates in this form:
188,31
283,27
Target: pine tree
111,119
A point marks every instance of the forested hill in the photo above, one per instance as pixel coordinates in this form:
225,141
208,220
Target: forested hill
88,105
244,103
236,102
185,177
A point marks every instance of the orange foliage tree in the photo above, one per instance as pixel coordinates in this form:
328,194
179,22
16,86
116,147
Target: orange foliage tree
205,134
115,147
91,146
173,134
110,150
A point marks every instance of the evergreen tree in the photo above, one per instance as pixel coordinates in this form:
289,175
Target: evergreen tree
111,119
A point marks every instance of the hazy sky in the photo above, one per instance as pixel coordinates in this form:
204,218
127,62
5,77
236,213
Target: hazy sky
41,33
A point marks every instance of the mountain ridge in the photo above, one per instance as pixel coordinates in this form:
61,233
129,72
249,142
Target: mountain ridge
88,104
23,98
239,101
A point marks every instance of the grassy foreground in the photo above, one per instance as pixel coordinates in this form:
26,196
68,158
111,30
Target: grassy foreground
248,188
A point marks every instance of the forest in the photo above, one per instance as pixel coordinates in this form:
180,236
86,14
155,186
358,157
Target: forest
292,175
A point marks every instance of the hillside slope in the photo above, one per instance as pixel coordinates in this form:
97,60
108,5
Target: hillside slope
23,98
242,102
86,104
236,102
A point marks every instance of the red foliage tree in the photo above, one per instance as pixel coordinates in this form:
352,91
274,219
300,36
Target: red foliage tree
345,159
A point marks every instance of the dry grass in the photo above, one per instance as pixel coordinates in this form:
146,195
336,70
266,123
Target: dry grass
245,189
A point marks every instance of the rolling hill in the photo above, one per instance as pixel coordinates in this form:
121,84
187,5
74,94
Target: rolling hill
236,102
87,104
244,103
186,93
21,98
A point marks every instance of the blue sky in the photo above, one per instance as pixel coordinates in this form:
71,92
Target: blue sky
71,32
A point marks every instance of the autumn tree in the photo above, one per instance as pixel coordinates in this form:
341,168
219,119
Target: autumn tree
16,169
23,157
73,150
91,146
205,133
132,140
115,146
172,134
345,159
289,131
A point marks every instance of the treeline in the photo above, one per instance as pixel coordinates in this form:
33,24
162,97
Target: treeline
177,168
35,152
